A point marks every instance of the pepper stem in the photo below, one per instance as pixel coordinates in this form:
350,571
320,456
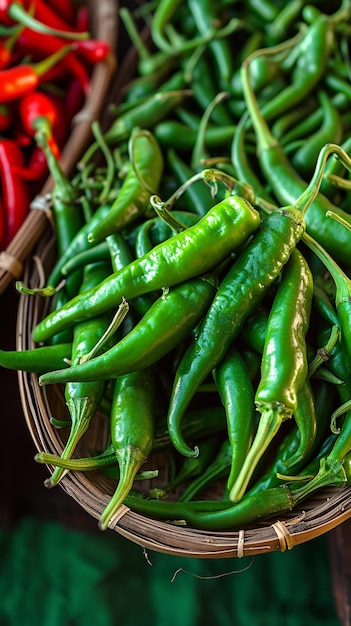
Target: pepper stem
130,459
41,67
269,424
82,411
17,13
265,139
341,280
330,473
64,190
199,151
323,354
115,323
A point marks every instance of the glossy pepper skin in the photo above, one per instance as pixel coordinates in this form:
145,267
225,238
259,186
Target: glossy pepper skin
18,80
287,184
282,376
83,399
167,322
132,427
37,360
15,191
239,293
193,252
236,391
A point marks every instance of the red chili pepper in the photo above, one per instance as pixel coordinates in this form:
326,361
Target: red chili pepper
6,117
82,19
2,225
92,50
15,191
74,98
62,126
66,9
35,169
6,48
36,109
41,47
19,134
44,21
51,18
18,80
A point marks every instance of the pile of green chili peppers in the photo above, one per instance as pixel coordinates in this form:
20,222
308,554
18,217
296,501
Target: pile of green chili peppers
200,301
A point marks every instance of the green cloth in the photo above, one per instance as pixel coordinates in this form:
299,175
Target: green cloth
54,576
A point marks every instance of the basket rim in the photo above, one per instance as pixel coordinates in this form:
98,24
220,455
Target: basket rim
327,509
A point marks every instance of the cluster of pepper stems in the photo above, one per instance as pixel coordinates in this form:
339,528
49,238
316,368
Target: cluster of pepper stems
200,301
46,58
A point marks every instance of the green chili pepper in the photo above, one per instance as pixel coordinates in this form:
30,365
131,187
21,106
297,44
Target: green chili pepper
197,198
287,184
194,467
143,178
64,198
325,396
190,253
78,243
314,52
329,132
252,508
241,290
217,469
205,88
197,423
83,399
282,376
155,230
132,425
343,290
340,366
178,136
205,15
263,71
243,165
335,466
305,416
168,321
93,254
253,332
291,119
121,255
237,395
147,113
39,360
279,27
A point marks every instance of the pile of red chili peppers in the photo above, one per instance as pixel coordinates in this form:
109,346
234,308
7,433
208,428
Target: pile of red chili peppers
46,58
200,302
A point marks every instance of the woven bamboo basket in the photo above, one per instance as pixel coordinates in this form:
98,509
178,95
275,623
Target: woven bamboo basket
327,509
92,490
104,22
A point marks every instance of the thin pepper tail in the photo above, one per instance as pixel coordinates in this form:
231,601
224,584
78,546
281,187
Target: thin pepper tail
130,459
